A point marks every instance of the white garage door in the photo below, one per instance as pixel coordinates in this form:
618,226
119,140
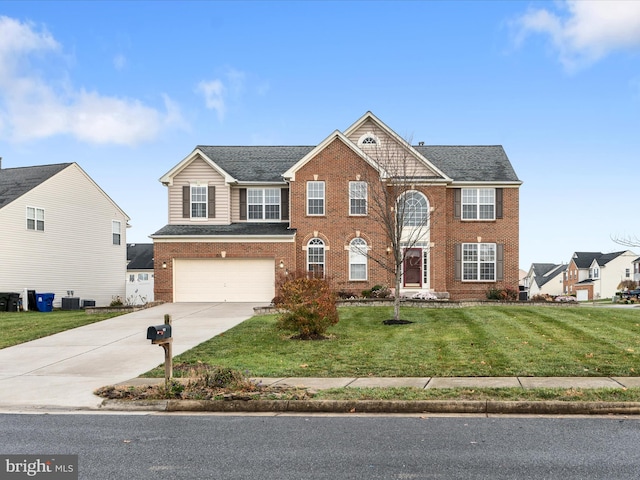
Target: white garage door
582,295
224,280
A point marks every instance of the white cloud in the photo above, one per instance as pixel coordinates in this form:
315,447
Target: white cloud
585,31
35,105
217,93
213,92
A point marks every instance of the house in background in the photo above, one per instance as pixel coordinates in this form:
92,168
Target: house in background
636,270
545,279
60,233
594,275
241,219
139,289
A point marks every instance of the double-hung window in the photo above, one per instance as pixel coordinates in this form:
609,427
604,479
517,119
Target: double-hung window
357,198
263,203
198,201
478,203
35,218
115,232
315,198
479,261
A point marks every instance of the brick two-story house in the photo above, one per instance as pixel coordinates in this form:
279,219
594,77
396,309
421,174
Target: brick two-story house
242,219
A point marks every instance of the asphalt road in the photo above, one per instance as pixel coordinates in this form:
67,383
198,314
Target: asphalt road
341,447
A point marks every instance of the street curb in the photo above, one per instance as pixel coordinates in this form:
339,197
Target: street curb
377,406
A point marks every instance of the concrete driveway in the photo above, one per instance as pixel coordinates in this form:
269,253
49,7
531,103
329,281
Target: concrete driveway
62,371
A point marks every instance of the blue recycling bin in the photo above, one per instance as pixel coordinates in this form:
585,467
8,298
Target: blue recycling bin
44,302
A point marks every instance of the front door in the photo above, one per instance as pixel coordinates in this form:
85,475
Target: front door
413,267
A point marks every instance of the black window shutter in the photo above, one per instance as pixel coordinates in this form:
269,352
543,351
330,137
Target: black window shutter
499,262
457,202
212,202
186,201
498,203
243,204
284,204
458,261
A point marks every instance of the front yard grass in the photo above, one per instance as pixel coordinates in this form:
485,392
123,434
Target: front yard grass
20,327
474,341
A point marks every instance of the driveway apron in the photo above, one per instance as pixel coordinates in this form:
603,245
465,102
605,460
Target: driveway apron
63,370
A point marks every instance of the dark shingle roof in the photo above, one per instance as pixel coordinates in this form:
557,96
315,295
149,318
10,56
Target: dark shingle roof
255,164
267,163
140,256
487,163
585,259
235,229
607,257
15,182
543,272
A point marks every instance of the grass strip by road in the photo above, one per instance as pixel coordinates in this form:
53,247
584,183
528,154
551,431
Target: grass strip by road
475,341
20,327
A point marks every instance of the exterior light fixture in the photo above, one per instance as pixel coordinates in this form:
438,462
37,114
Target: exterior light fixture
164,264
281,263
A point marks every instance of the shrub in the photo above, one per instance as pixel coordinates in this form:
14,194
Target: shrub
310,306
502,294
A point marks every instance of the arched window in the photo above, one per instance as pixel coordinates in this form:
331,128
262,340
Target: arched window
368,140
414,208
358,259
315,257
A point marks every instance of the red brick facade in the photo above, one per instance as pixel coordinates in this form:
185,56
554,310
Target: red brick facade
336,164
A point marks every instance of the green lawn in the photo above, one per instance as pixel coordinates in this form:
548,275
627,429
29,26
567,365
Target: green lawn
20,327
475,341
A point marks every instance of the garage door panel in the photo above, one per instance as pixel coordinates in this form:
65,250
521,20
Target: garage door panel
224,280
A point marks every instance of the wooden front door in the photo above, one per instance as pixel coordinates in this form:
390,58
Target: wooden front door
413,267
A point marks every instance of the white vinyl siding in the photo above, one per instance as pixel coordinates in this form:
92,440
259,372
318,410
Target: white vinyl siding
196,172
71,253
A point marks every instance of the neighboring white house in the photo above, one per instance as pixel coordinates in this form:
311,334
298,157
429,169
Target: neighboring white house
544,279
60,232
139,273
636,270
605,273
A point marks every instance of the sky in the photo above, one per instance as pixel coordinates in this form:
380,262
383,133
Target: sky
127,89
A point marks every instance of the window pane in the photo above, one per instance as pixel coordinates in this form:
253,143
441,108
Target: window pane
358,272
255,212
470,271
198,201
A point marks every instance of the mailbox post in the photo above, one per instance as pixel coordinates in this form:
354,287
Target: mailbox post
161,335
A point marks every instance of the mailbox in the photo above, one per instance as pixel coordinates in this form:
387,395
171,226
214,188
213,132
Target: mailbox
159,333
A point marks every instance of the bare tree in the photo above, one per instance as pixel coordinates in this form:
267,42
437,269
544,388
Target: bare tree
630,241
401,210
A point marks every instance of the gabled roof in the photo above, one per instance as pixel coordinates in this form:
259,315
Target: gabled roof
584,259
15,182
140,256
291,172
544,272
269,164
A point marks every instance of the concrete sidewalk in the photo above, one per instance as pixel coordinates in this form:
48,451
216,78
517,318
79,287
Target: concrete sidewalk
323,383
62,371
